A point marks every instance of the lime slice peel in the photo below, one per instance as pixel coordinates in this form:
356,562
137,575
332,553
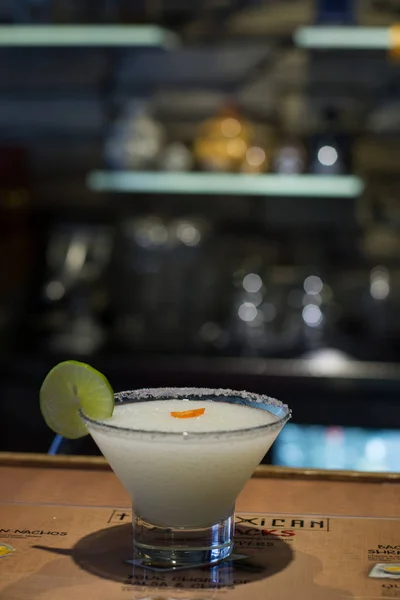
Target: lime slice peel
68,387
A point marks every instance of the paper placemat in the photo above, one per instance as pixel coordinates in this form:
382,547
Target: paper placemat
65,552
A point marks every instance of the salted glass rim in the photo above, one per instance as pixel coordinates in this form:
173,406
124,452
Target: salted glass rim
168,393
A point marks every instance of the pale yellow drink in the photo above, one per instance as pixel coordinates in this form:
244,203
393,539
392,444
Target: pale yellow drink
184,472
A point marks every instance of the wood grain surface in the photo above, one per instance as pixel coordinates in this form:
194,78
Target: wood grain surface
88,481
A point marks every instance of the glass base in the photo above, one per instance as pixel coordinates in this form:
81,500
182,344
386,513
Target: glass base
181,547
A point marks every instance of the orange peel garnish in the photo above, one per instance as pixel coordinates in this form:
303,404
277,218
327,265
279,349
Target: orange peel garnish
188,414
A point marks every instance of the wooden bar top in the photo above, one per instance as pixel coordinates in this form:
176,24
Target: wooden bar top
88,481
309,540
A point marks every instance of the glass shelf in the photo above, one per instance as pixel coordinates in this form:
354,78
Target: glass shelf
344,38
86,35
337,186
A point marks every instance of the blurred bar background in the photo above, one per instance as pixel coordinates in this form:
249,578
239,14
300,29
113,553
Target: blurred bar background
205,193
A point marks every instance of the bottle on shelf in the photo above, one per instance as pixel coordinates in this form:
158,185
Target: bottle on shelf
136,140
330,152
290,157
222,141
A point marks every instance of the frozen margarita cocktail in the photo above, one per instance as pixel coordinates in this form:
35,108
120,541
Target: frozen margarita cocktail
183,455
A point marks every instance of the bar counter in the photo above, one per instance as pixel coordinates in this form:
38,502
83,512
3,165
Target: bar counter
319,534
89,481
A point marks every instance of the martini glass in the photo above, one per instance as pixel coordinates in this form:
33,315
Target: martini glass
183,475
